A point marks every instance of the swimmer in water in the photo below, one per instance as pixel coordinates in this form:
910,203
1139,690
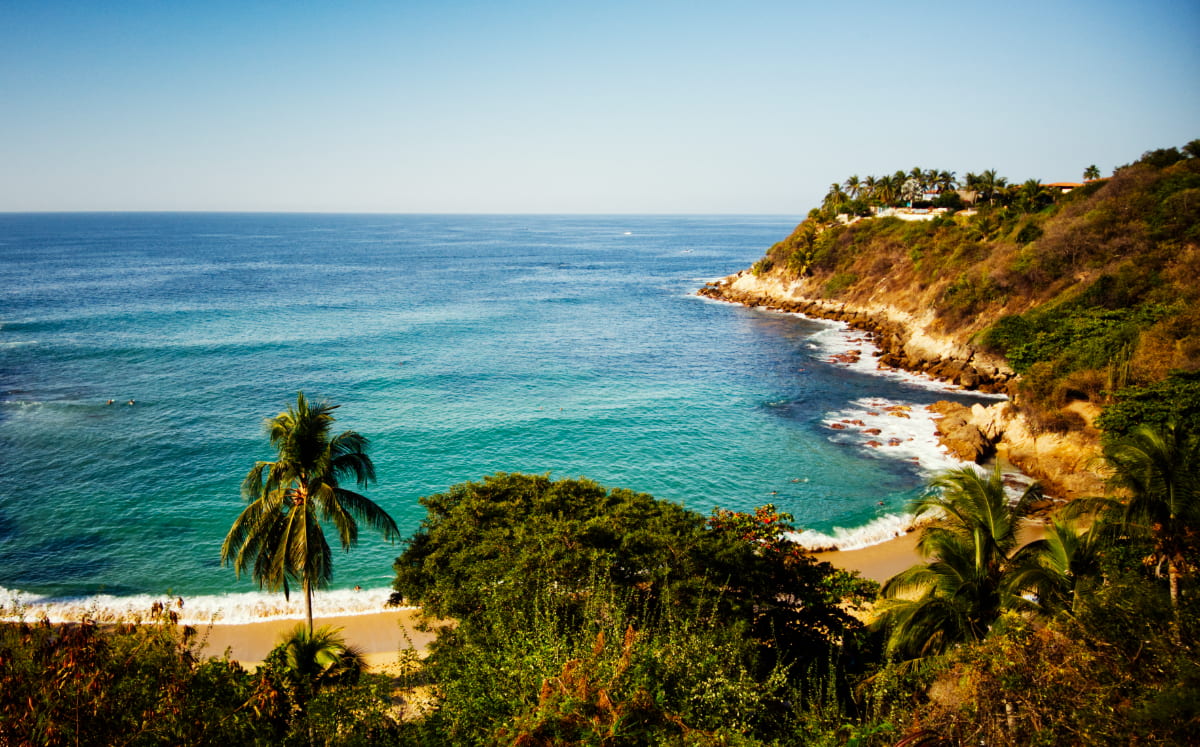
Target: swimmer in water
130,402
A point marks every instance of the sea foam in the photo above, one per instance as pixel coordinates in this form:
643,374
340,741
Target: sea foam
231,609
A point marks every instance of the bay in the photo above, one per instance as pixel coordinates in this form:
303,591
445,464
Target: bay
460,345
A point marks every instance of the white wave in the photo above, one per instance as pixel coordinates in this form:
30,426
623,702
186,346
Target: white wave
852,349
892,429
193,610
879,530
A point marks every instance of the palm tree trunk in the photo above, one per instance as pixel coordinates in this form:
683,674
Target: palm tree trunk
308,606
1173,577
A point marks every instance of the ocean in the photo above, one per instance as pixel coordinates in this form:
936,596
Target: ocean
459,345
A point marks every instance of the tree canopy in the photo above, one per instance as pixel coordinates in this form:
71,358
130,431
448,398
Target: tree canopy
511,531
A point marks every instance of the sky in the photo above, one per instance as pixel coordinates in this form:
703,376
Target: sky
571,107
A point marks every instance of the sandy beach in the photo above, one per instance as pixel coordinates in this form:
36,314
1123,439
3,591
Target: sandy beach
383,635
380,635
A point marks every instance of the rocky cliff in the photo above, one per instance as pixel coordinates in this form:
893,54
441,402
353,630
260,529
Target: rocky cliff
903,329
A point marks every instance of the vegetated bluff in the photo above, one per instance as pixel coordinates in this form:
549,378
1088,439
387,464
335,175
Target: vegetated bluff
1077,304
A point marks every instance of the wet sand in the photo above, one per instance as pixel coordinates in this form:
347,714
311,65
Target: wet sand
877,562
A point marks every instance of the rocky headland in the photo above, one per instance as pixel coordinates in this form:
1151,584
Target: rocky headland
907,338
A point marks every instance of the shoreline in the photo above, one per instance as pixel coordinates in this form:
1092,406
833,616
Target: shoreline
384,636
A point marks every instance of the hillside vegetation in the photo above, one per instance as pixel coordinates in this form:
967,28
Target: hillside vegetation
1089,295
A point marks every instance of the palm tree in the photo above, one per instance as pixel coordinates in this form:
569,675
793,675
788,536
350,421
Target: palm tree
279,535
1050,573
990,183
886,190
930,180
960,592
869,187
1031,193
853,184
835,198
1090,173
319,658
1160,469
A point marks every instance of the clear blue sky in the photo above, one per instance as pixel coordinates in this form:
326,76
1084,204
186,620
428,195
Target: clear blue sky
562,106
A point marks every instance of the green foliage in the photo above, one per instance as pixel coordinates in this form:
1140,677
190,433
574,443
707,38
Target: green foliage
307,663
536,668
838,283
513,530
135,684
1176,398
960,592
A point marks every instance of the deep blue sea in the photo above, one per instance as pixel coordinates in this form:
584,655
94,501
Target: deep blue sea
459,345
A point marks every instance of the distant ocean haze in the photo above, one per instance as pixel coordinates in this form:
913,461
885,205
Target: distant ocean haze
459,345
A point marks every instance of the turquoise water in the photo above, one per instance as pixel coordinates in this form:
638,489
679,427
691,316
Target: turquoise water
460,345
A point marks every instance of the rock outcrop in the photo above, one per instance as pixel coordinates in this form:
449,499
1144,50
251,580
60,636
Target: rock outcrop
904,339
1065,463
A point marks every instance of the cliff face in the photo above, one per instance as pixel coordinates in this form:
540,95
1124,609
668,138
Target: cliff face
903,326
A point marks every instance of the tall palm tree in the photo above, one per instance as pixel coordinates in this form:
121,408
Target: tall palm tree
853,184
930,179
1160,469
869,186
959,593
990,183
835,197
1090,173
279,535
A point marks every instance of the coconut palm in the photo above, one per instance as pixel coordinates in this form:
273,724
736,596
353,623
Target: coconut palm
1031,195
960,592
278,536
1090,173
835,198
853,185
990,183
869,186
1050,573
1159,467
886,190
318,658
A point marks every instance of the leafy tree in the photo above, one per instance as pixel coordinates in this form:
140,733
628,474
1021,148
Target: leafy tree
513,530
1091,173
959,593
1162,157
1177,398
279,535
